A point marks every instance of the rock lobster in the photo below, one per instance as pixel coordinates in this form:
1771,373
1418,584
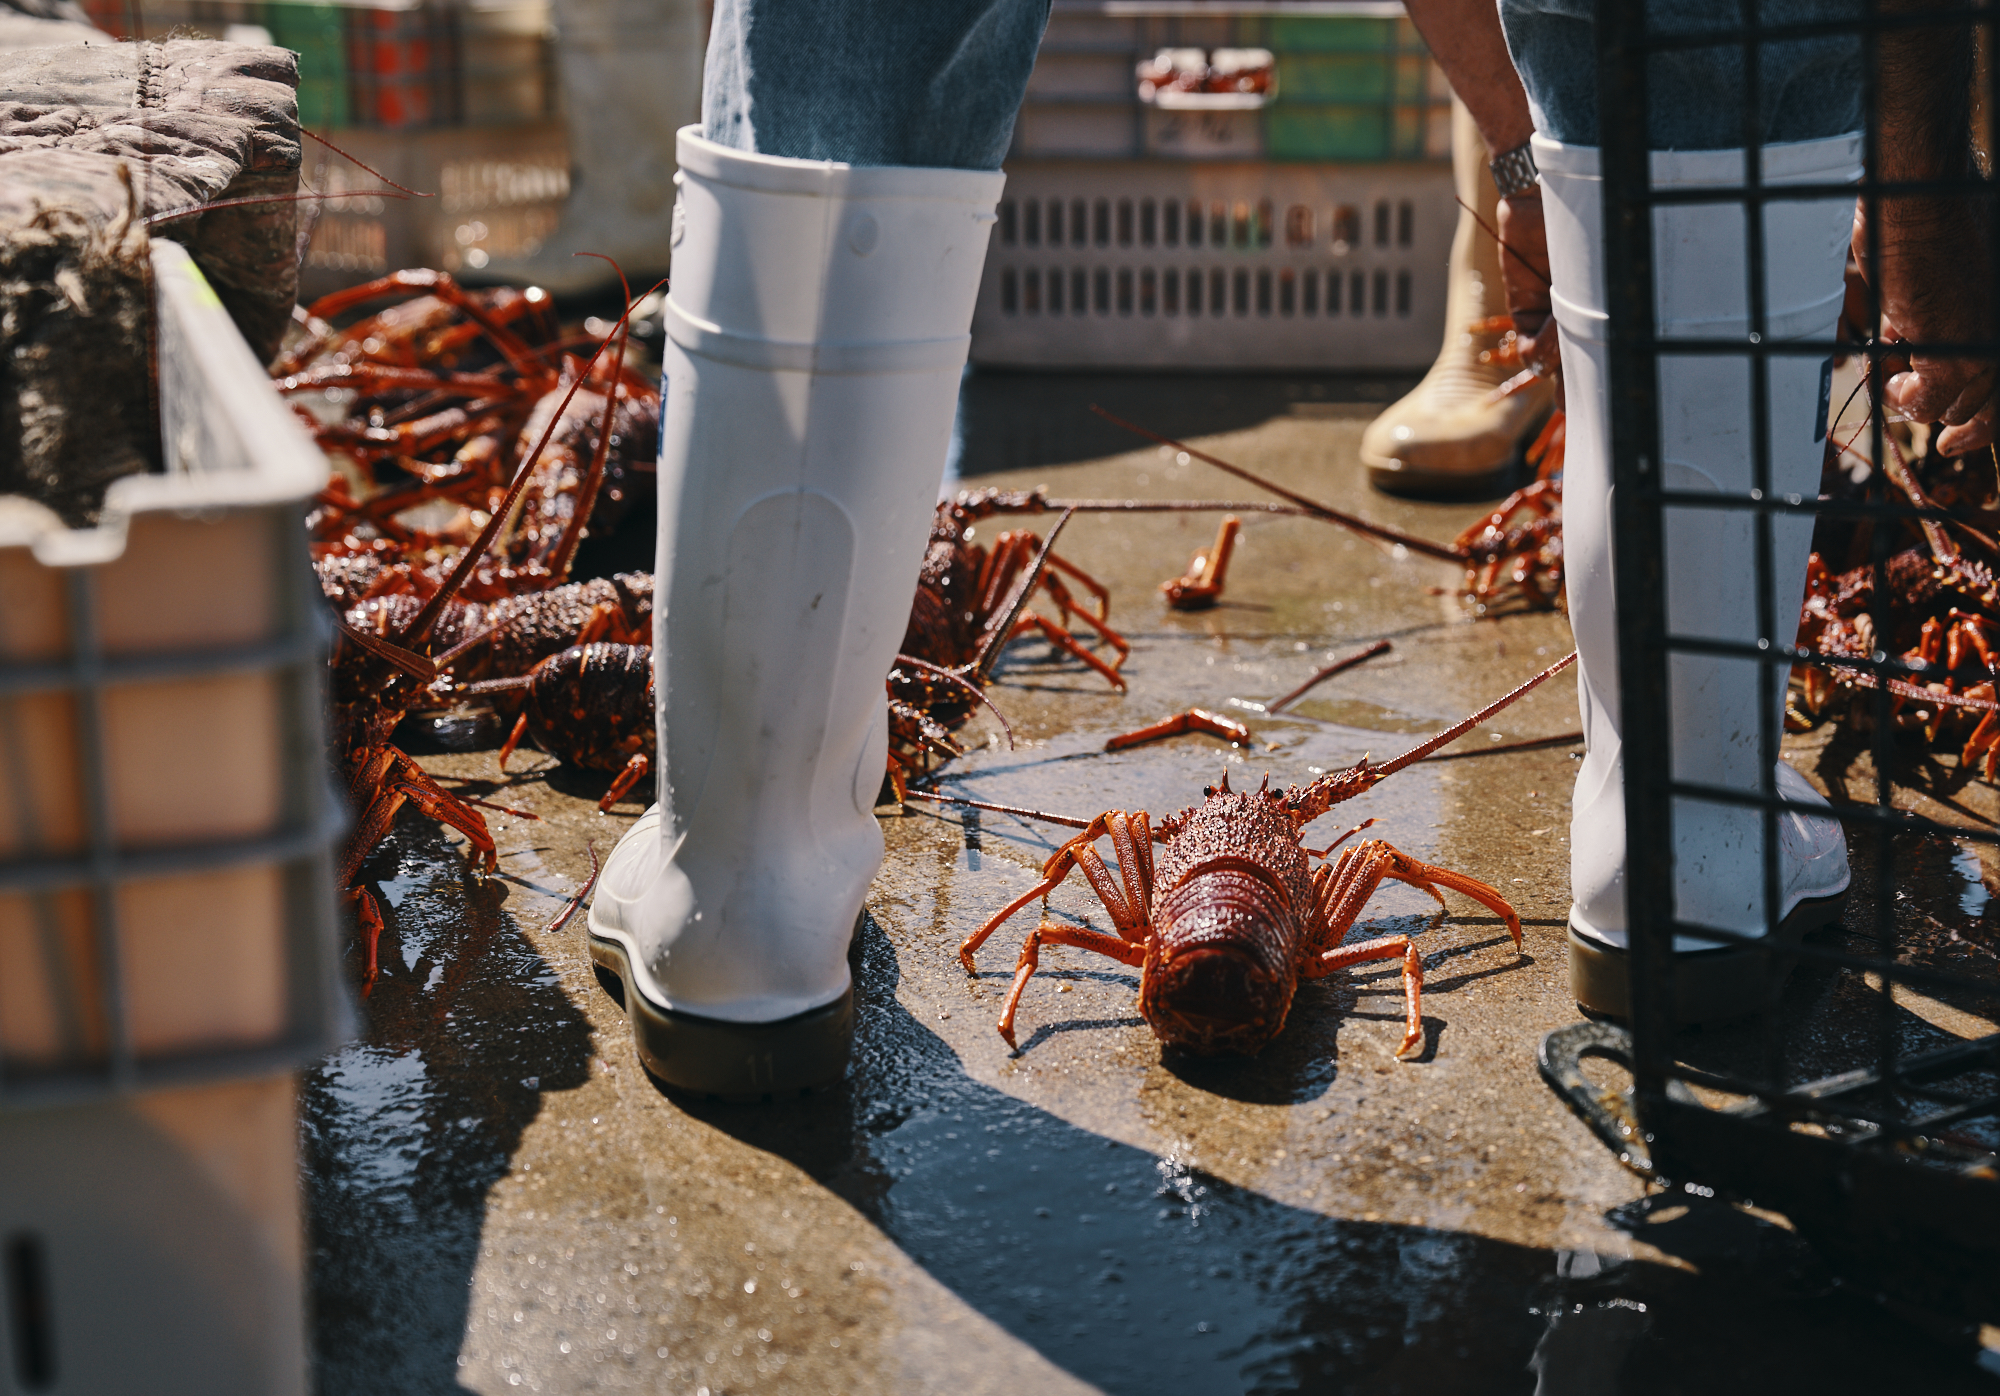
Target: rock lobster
1230,915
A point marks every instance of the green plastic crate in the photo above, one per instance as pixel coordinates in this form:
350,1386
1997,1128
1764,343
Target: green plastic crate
1344,131
1341,34
1352,77
317,34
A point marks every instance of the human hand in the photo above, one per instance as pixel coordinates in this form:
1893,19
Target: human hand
1524,268
1935,287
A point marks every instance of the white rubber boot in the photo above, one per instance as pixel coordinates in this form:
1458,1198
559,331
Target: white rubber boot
816,328
1699,260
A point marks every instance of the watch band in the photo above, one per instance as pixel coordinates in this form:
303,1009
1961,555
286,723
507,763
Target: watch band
1514,171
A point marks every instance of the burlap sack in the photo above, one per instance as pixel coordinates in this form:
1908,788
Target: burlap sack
101,143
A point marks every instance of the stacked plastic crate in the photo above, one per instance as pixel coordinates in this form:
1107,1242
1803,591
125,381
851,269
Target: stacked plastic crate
447,97
168,952
403,66
1297,217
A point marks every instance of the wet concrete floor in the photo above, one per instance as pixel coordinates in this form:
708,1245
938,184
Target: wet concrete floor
501,1198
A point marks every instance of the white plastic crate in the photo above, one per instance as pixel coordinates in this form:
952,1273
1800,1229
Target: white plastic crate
168,949
154,1243
1138,264
166,909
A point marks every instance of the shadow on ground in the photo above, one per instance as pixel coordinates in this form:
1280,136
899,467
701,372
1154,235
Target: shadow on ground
1140,1273
1024,421
404,1131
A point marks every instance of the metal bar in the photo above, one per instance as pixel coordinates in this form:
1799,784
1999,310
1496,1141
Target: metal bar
1769,701
1782,193
1959,1057
1892,971
1786,655
1889,819
1804,348
1873,24
1636,527
1799,504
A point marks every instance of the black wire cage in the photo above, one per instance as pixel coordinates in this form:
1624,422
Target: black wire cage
1863,1101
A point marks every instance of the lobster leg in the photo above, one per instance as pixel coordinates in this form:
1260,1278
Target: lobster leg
1193,720
1344,890
440,804
1126,951
513,740
1096,623
1384,948
1202,586
376,818
368,916
1132,837
1089,583
627,778
1067,642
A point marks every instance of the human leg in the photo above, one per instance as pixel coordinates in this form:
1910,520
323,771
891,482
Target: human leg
1456,433
816,327
1710,555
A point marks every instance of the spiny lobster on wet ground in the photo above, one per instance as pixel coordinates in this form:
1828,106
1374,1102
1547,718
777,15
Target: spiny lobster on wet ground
1229,917
971,600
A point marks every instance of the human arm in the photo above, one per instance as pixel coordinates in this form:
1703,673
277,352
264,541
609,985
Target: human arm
1931,266
1465,38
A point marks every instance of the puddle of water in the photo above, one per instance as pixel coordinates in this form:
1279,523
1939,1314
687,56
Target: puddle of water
1973,898
1140,1272
374,1128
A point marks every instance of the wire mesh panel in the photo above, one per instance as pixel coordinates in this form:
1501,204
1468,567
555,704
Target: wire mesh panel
1860,1091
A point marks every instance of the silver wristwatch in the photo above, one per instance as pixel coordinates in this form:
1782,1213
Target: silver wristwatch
1514,171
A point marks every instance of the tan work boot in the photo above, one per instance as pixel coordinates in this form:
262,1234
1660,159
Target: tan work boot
1448,437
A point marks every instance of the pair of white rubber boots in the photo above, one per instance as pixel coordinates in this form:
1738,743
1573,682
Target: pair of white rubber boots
817,324
1699,259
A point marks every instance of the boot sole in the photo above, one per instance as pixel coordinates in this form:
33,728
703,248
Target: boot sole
1710,986
1454,485
744,1062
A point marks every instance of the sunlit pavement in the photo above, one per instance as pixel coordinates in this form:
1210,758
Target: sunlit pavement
502,1198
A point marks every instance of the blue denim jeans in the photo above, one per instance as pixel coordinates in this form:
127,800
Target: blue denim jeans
1807,89
871,82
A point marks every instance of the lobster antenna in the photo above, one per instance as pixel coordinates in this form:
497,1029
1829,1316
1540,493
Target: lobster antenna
428,617
1494,233
927,667
593,480
348,156
1311,506
997,636
1460,728
1062,819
